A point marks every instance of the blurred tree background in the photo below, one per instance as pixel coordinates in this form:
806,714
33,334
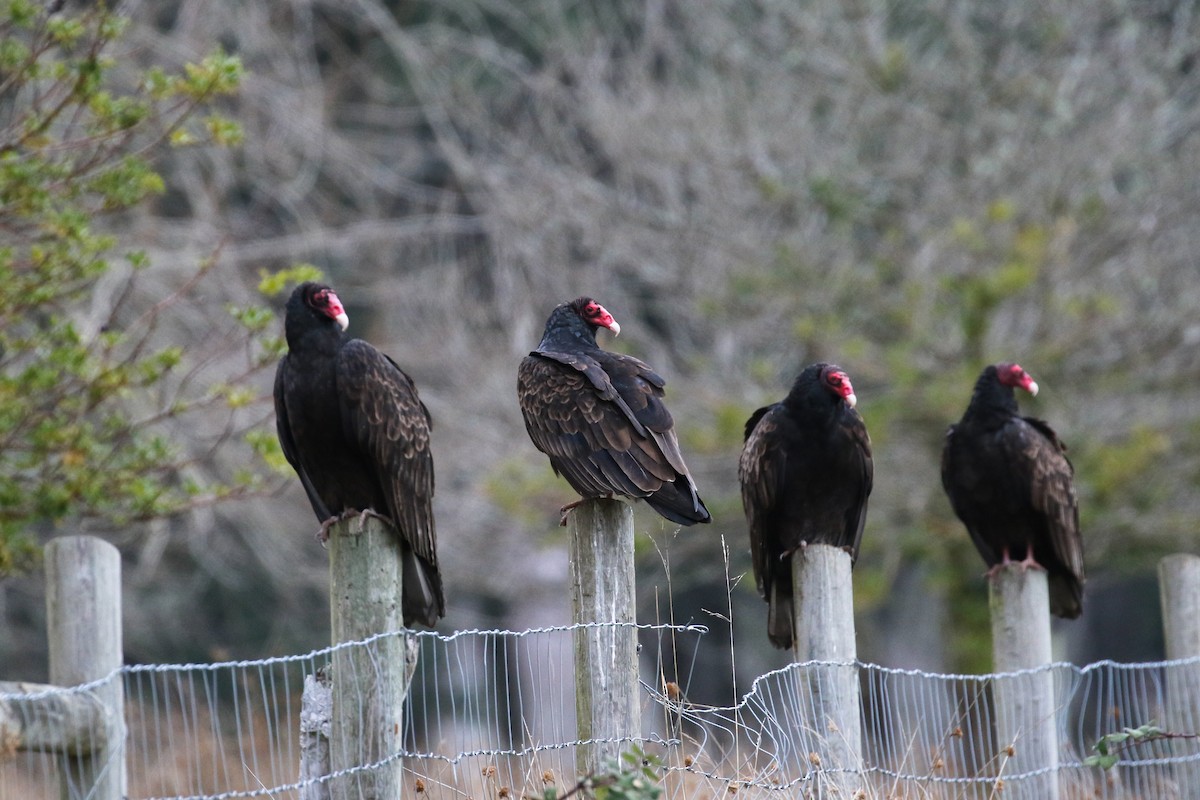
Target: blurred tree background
911,189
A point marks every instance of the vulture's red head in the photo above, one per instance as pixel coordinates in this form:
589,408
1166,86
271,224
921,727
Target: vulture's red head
1012,375
838,382
324,300
595,314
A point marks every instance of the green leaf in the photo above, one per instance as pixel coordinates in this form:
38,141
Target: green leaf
1101,761
223,131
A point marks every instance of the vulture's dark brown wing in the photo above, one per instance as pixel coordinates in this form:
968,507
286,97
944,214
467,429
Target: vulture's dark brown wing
640,390
1051,483
952,481
762,472
860,455
974,480
602,422
283,427
761,468
386,420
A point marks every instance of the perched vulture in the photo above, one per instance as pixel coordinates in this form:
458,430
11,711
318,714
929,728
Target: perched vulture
353,428
600,417
806,473
1010,483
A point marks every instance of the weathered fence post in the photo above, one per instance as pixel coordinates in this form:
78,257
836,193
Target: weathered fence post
83,613
1026,715
824,631
369,682
1179,590
602,591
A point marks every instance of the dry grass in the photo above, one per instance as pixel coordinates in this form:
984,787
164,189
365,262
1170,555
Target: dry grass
690,774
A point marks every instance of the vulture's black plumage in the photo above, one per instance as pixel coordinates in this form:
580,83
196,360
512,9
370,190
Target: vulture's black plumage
806,472
351,424
600,417
1009,481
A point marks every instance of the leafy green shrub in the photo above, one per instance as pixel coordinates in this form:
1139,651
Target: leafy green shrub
89,395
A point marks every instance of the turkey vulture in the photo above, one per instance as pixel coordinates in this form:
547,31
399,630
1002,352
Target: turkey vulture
1010,483
600,417
352,426
806,473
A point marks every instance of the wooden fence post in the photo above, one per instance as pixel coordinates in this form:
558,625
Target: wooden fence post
824,631
1179,591
83,613
369,682
603,591
1026,714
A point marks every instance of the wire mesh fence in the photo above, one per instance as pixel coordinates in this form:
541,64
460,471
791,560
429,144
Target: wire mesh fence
491,714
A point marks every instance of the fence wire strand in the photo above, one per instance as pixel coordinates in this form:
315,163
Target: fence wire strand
492,714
